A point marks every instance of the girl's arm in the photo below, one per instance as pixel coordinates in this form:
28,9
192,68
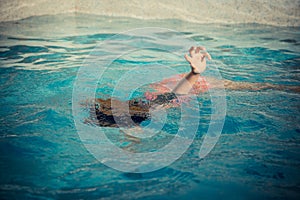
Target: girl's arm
197,60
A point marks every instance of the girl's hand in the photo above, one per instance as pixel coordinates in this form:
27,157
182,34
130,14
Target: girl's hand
197,59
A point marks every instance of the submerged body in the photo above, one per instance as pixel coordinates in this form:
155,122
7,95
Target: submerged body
139,108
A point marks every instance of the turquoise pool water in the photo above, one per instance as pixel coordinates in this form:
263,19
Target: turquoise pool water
42,156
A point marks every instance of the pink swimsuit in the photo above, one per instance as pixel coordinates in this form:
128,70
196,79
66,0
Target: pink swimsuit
166,86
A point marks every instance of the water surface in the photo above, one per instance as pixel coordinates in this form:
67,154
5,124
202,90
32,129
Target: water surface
42,156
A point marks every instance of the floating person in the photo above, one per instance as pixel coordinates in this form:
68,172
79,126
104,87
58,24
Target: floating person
181,86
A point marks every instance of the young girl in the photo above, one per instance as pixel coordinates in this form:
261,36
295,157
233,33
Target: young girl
181,86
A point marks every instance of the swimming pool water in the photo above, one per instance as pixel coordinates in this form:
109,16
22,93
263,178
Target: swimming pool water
42,157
